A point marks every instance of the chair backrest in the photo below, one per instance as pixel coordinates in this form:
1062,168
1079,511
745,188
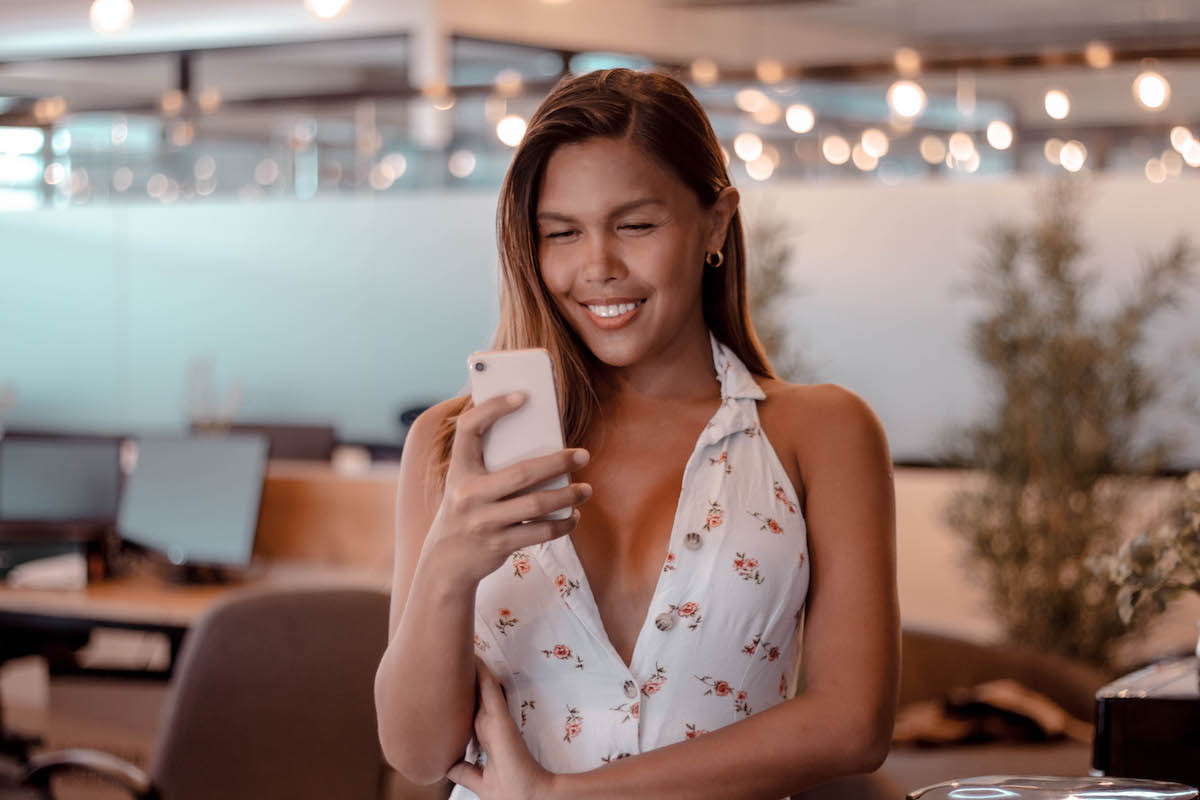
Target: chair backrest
273,697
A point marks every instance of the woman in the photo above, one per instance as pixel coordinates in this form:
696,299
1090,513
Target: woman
648,646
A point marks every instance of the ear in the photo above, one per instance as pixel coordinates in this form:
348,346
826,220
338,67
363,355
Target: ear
722,211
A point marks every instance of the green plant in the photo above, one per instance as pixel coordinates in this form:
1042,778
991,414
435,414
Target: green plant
770,288
1071,391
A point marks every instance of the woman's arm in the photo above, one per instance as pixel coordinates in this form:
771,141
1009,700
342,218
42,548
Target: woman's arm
425,705
842,722
425,683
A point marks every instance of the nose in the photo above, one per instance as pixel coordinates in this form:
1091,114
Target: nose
602,259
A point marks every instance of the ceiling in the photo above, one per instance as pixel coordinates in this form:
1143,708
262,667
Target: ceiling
801,33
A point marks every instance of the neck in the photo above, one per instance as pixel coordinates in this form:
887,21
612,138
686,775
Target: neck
679,371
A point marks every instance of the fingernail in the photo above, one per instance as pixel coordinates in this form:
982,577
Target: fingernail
581,457
585,489
516,397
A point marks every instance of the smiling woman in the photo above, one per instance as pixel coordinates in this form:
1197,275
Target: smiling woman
650,646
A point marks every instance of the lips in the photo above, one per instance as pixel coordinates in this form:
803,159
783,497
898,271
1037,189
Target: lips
611,323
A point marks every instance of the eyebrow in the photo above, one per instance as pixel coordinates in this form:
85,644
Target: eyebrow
621,209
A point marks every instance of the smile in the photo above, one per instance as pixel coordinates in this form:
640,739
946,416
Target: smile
614,316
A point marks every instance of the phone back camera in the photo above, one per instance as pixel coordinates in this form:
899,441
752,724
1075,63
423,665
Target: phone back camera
479,366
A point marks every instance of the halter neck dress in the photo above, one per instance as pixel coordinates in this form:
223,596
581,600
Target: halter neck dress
720,640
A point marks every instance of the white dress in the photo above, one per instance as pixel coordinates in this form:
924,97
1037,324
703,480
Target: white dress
720,641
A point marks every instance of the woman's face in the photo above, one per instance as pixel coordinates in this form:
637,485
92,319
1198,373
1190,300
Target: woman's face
615,229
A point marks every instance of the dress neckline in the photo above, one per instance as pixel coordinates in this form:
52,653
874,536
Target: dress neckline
736,411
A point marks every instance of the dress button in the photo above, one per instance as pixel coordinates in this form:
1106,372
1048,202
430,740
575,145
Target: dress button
630,689
693,541
664,621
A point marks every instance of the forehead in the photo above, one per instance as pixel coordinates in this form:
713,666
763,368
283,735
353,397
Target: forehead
597,174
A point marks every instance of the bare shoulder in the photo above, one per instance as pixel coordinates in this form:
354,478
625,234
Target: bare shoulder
822,423
418,444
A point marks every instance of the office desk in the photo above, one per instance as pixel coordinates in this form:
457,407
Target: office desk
144,601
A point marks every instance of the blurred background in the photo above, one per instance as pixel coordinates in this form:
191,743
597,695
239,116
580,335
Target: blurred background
243,244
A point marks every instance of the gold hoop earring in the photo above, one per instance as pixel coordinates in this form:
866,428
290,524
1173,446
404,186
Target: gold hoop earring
720,259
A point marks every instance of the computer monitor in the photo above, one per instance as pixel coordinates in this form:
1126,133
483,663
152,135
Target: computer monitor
195,499
59,478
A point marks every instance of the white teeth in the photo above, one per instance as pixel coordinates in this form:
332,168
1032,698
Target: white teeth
614,311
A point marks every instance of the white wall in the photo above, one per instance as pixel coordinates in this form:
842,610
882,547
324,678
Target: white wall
349,309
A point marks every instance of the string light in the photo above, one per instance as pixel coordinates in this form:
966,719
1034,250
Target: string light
800,118
704,71
110,16
326,9
906,98
511,130
999,135
1151,91
1058,105
835,149
747,146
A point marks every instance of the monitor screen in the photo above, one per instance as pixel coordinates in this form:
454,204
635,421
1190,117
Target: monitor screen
195,498
59,478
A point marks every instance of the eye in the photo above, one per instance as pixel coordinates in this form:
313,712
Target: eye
638,226
558,234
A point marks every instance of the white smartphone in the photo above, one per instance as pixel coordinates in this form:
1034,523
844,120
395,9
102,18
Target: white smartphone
534,429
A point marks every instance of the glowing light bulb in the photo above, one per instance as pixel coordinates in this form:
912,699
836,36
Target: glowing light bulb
1152,91
906,98
999,135
835,149
800,118
326,9
511,130
110,16
1058,105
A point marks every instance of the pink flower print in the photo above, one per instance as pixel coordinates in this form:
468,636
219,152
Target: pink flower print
781,495
655,681
723,689
724,459
574,724
480,644
693,732
719,688
715,516
505,621
768,523
563,653
526,705
565,585
750,648
688,610
670,565
783,685
747,568
630,711
770,652
520,563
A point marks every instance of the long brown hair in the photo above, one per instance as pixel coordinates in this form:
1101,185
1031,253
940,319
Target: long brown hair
658,114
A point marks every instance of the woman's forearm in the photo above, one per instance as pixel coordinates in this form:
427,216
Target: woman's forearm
791,747
425,684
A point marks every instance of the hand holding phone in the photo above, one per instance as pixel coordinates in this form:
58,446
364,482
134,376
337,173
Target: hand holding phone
507,485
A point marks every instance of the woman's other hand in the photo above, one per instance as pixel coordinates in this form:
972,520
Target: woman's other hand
511,772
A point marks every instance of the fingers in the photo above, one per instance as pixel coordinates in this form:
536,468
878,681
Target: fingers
517,536
535,504
466,774
467,451
531,472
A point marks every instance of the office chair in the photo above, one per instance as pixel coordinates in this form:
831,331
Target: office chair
272,697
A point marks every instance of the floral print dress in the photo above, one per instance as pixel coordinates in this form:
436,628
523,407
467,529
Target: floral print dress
720,641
